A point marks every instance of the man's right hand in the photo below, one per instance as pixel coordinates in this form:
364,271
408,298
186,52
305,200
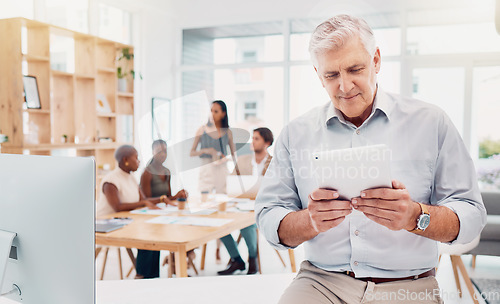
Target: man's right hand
325,211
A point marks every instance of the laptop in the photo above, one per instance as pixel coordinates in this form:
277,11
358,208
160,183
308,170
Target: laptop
108,225
105,228
243,186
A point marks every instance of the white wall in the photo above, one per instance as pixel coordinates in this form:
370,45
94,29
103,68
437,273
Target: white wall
155,44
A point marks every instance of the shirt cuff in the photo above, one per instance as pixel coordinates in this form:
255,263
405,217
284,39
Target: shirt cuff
269,225
471,221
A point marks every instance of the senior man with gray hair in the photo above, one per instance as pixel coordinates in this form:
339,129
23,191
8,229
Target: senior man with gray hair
385,250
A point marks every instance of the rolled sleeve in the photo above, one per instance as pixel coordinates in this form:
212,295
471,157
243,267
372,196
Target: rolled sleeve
472,220
277,196
270,219
455,184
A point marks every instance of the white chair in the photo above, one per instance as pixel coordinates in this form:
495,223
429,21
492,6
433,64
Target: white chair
455,251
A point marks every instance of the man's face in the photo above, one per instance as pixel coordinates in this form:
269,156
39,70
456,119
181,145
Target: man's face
258,143
349,77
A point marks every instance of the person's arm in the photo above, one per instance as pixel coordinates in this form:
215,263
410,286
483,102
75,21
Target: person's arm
145,185
194,147
181,194
156,200
278,208
457,213
111,193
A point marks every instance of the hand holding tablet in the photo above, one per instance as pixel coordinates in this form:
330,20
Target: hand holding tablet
350,171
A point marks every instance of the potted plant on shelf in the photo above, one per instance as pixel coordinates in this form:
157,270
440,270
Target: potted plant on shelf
3,138
123,70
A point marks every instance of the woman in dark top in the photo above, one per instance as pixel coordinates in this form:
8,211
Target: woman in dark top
213,139
155,181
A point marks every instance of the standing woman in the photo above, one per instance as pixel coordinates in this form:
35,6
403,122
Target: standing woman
155,181
213,139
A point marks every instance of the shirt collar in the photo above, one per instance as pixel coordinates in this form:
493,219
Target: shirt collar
381,102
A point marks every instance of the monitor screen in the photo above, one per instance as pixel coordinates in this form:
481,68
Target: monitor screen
49,203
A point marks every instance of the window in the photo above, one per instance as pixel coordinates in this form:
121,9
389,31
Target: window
257,101
18,8
115,24
448,55
306,91
485,95
72,14
247,43
480,37
443,87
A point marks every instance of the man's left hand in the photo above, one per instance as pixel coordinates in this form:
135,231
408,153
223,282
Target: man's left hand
392,208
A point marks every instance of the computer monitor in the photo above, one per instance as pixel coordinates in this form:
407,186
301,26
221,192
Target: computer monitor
49,203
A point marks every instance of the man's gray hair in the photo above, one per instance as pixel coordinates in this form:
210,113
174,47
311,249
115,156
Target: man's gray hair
124,151
333,33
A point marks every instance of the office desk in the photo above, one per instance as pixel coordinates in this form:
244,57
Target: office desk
242,289
172,237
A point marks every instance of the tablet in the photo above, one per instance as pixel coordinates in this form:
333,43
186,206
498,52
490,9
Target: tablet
350,171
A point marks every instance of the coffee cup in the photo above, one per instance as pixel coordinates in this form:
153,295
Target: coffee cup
222,207
181,203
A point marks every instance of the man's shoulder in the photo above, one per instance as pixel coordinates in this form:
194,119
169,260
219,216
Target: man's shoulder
414,106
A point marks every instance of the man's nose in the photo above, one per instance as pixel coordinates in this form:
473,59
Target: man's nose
346,83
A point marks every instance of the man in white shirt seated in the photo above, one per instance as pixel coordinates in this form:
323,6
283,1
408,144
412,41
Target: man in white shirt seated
251,164
257,162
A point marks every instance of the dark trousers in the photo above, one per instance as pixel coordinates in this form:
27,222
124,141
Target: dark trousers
148,264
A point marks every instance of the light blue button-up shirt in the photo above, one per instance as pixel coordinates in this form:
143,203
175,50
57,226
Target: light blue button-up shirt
428,157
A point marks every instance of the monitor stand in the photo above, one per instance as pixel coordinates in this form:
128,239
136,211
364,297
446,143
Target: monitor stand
6,239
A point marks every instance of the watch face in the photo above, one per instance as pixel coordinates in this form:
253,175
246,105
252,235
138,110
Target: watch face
423,221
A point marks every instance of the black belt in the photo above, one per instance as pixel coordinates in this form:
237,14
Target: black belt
429,273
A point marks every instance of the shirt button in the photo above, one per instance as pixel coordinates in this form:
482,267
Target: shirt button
356,232
357,132
356,263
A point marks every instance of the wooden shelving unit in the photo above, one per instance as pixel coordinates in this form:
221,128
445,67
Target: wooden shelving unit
68,95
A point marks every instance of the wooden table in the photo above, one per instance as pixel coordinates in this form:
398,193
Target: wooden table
172,237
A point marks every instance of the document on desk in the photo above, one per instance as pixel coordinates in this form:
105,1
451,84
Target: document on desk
248,205
164,210
189,220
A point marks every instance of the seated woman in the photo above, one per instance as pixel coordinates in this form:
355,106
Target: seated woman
155,181
120,191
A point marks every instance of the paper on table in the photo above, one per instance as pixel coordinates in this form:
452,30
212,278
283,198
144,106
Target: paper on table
189,220
246,206
164,209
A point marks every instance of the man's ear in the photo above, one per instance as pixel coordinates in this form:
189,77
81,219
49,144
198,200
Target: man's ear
377,60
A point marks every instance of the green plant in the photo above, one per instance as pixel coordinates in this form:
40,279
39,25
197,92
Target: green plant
488,148
3,138
124,71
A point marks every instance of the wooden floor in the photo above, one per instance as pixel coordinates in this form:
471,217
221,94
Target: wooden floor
486,267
